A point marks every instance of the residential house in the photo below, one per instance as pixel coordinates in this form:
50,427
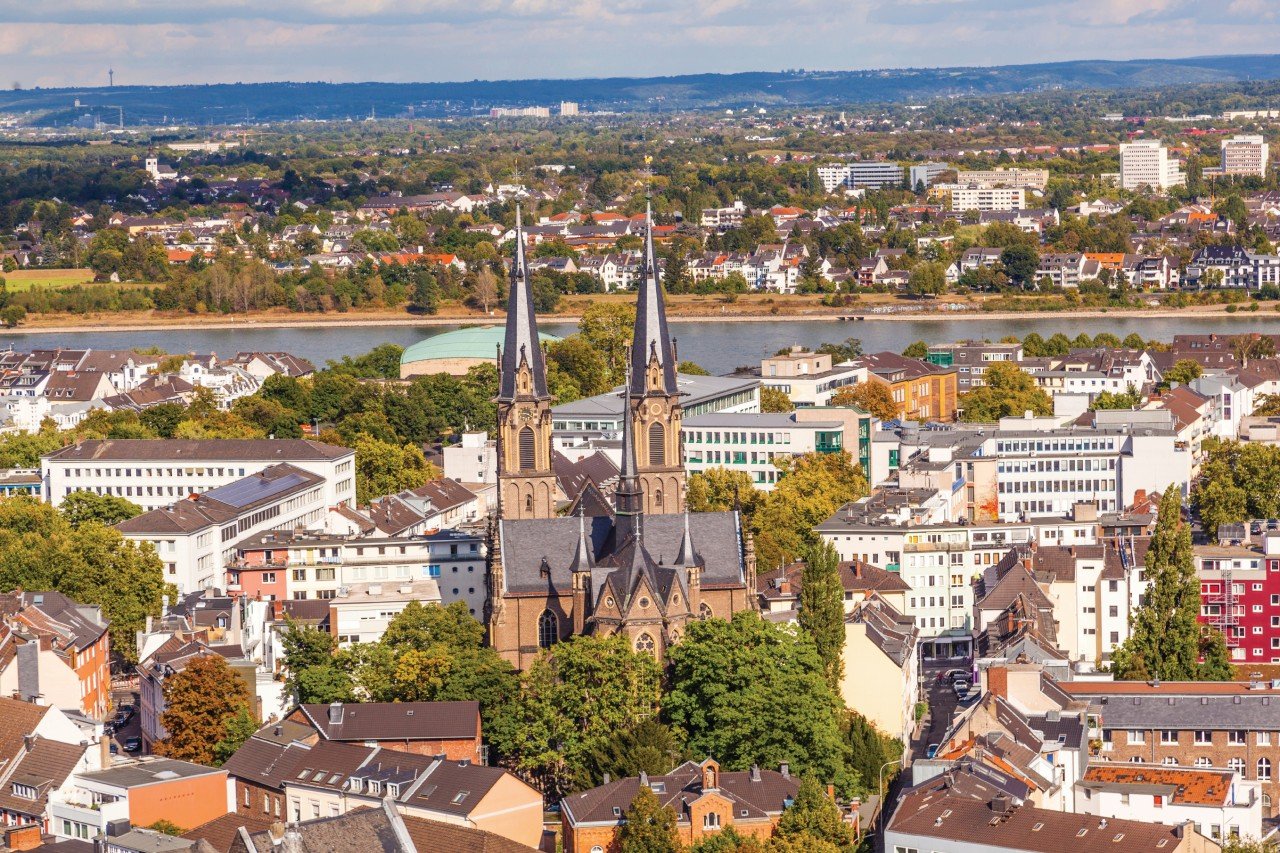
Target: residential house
451,729
881,648
56,651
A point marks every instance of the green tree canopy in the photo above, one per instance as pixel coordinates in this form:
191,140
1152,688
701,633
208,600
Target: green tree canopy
647,826
822,607
1007,391
82,506
810,488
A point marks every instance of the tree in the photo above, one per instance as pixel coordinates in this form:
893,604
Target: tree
718,489
871,396
928,278
575,698
646,746
13,315
813,814
847,351
1129,399
163,419
822,608
382,468
735,688
166,827
1020,262
648,826
1184,370
82,505
775,400
692,368
305,649
1007,391
1165,637
918,349
608,327
576,369
1268,405
810,489
239,729
1238,481
200,701
484,290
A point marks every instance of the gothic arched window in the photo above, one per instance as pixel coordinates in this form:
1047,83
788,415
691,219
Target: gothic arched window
657,444
644,643
704,611
548,629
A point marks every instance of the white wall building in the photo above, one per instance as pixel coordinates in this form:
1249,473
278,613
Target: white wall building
153,473
978,197
1245,154
1146,163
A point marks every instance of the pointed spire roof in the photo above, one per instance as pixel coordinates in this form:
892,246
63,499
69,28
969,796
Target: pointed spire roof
651,336
627,496
582,556
521,344
687,555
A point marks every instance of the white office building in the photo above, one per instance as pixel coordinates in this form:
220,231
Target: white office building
1245,154
1146,163
754,442
977,197
871,174
154,473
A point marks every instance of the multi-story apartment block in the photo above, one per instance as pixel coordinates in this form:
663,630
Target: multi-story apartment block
925,174
754,442
1028,178
1221,804
871,174
303,565
978,197
809,378
1245,154
971,359
1146,163
723,218
153,473
1240,595
1231,725
921,391
197,537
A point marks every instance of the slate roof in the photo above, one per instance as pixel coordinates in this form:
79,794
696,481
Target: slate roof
891,632
532,546
397,721
761,796
264,762
1205,706
49,612
224,503
367,830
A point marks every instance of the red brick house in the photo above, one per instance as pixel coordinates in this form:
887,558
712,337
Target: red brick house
451,729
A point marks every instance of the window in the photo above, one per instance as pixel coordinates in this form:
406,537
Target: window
526,449
1204,737
657,444
548,629
644,643
1203,761
1236,737
1236,765
1264,769
1171,761
1136,736
1169,736
704,611
1264,738
711,820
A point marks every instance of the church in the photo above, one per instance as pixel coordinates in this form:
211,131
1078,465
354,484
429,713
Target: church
642,566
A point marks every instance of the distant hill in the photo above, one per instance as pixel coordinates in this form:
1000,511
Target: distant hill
230,103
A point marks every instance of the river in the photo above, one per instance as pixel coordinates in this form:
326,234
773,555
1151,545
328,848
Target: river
719,346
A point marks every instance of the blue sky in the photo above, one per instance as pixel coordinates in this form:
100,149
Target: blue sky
73,42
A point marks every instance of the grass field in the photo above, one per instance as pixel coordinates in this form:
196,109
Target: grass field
21,280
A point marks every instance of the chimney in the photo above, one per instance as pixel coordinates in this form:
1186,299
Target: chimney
785,769
27,837
998,681
276,831
644,778
104,751
607,779
755,772
292,840
335,713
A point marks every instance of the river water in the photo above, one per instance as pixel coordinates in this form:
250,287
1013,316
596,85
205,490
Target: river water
719,346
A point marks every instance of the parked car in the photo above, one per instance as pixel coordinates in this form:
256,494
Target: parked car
961,688
931,751
115,750
133,744
950,674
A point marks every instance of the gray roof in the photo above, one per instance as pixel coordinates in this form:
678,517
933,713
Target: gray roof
365,721
693,390
184,450
1190,710
651,339
756,420
521,344
528,545
147,771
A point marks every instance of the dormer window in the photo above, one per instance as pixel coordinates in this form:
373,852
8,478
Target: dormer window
375,787
393,790
25,792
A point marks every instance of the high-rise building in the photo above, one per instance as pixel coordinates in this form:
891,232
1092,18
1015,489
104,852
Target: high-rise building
1245,154
1146,163
568,108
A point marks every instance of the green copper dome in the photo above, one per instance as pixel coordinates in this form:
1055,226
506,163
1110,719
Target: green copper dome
479,342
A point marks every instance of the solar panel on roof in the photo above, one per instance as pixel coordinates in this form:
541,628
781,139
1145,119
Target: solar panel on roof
253,489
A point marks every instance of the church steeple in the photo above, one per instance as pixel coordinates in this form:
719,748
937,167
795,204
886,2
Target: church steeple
526,483
628,498
651,341
654,395
521,346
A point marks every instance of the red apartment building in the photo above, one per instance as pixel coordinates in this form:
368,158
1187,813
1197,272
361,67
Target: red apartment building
1240,595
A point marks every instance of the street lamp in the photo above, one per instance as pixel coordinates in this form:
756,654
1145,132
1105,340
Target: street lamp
880,787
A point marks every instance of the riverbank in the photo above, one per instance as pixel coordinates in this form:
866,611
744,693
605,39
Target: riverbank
157,321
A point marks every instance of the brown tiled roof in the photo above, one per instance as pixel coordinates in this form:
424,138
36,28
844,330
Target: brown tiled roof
444,493
432,835
448,781
855,576
17,719
265,763
392,515
221,832
398,721
759,797
45,767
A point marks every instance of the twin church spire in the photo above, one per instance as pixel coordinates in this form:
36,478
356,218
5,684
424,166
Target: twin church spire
652,469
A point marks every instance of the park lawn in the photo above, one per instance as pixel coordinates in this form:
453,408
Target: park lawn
20,280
